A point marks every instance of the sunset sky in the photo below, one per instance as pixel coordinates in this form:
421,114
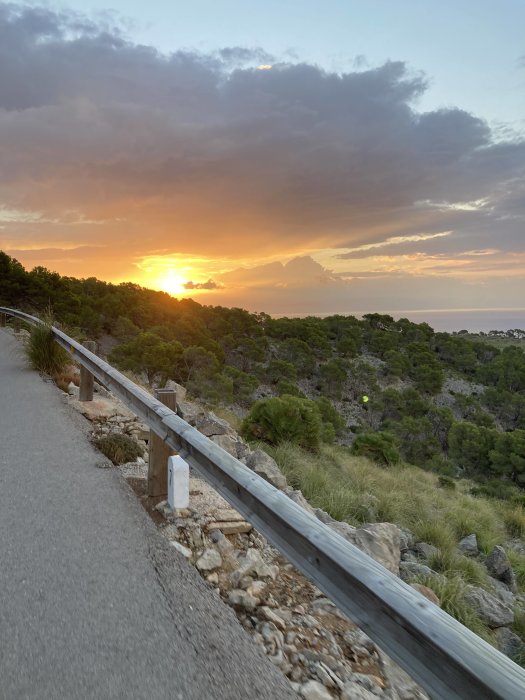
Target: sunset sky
289,157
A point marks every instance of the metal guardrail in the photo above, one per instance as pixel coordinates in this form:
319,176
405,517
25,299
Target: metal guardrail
446,658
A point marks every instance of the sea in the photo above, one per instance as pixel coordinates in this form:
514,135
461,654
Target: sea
472,320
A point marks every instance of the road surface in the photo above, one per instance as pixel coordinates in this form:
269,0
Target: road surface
94,602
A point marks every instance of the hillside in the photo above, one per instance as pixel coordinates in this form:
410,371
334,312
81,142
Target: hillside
449,403
444,423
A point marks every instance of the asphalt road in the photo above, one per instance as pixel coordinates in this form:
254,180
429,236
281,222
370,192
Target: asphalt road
93,601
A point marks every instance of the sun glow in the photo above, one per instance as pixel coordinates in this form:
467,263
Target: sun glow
172,283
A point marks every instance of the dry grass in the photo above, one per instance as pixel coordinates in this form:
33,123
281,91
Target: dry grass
65,378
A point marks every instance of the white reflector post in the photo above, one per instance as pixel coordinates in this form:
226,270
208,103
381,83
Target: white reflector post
178,483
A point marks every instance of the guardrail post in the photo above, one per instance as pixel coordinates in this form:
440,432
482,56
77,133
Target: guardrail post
159,452
85,392
3,320
17,325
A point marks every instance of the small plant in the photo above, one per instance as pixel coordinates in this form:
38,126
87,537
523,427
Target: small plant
43,352
454,565
436,532
446,482
518,566
514,520
119,448
451,593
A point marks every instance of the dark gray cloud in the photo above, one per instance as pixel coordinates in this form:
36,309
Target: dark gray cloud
210,284
206,154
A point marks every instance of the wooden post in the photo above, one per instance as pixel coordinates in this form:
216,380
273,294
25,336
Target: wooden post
16,324
86,378
159,452
3,320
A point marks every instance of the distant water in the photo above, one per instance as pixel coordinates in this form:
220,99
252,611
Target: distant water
472,320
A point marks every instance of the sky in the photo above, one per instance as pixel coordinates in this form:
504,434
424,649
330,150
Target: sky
290,157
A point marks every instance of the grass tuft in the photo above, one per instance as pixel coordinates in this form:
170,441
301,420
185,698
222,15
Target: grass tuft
514,519
43,352
119,448
451,593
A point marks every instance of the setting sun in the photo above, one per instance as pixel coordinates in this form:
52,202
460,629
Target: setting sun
172,283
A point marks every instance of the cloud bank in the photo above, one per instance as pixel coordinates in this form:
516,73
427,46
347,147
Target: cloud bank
105,144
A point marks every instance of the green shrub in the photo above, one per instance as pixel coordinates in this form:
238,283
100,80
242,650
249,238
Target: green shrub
285,386
380,447
286,418
496,488
119,448
440,465
44,353
446,482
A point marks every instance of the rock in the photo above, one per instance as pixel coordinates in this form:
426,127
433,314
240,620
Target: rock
227,442
181,548
242,599
343,529
297,497
189,412
508,642
517,545
406,539
401,686
423,549
213,578
491,609
271,616
209,560
99,389
253,563
322,606
354,691
227,515
499,566
427,592
179,390
407,555
265,466
313,690
380,541
502,592
100,409
257,588
469,546
409,570
328,678
230,528
323,516
209,424
72,389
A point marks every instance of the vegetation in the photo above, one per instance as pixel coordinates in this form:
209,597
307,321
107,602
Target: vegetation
451,593
288,418
453,404
119,448
43,352
444,425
